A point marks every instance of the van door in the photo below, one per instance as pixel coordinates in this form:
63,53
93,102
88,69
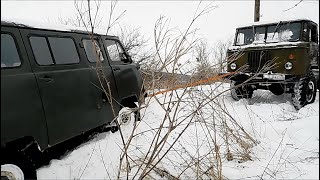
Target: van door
103,79
22,114
126,73
69,99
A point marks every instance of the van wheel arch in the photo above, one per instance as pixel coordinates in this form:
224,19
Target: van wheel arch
28,146
130,103
22,154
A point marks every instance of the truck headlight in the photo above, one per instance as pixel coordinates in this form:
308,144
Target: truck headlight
288,65
233,66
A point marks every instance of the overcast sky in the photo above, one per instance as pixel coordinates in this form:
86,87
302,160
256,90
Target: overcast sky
219,24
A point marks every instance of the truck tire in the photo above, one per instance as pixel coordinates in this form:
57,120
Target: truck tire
304,91
240,92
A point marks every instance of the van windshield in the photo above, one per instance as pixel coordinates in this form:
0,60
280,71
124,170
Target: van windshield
281,32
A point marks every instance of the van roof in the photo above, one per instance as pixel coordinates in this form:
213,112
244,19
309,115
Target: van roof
48,26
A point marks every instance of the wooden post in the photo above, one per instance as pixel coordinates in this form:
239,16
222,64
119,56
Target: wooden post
257,11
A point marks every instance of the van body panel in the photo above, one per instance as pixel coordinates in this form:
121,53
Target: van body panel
127,76
72,86
52,101
21,107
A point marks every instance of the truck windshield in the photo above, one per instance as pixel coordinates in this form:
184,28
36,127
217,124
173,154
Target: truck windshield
281,32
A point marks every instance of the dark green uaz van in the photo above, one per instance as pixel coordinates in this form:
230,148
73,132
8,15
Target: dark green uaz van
52,90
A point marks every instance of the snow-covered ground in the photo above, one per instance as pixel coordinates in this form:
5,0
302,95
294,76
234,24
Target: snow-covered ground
282,143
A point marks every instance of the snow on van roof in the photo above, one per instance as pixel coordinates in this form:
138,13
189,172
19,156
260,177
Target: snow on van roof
43,25
272,22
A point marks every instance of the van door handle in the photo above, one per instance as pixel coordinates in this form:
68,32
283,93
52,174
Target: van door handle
46,79
116,69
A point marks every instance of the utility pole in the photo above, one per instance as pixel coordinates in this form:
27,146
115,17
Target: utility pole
257,10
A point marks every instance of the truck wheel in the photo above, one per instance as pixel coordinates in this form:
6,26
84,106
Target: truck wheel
312,89
304,91
276,89
17,166
240,92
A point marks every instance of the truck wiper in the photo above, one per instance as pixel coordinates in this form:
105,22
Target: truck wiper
277,28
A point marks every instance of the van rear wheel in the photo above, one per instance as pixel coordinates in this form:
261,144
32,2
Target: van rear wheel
11,171
17,166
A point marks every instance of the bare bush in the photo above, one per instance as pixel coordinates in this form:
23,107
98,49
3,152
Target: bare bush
195,133
195,115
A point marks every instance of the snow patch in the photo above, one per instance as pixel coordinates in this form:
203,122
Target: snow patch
288,141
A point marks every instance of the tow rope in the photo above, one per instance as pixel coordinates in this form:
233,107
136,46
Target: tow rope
202,81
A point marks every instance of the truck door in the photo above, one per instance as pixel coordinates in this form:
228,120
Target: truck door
21,108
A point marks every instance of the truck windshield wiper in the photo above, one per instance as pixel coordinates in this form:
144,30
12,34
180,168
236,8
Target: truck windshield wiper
277,28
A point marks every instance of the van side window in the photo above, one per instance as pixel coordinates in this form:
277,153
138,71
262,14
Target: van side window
41,50
92,50
114,50
9,53
64,50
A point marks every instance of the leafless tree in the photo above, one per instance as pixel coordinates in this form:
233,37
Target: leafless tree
293,6
196,112
220,54
204,68
136,44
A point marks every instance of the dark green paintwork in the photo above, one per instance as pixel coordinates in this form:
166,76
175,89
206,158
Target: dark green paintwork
306,56
301,61
54,103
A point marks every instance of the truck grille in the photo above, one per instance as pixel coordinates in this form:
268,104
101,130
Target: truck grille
257,59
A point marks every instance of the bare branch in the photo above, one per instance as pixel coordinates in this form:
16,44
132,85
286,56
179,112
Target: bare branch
293,6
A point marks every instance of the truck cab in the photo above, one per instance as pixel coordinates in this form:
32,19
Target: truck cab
282,57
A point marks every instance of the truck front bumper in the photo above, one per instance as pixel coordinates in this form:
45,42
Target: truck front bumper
262,77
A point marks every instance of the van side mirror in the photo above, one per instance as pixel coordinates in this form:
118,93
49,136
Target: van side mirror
125,57
129,58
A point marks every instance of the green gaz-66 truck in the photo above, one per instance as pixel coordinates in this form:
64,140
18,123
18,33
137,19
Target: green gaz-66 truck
282,57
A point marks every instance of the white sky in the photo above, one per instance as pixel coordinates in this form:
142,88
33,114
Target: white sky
219,24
